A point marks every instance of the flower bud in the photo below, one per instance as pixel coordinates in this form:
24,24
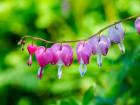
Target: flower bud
31,49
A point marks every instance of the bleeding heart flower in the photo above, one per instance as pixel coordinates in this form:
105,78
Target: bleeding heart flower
84,51
44,57
102,49
94,44
31,49
62,55
137,24
116,35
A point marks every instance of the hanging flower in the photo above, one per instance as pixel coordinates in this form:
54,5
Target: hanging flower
44,57
137,24
31,49
62,55
83,52
94,44
116,35
102,48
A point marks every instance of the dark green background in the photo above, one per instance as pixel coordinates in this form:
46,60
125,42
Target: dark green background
116,83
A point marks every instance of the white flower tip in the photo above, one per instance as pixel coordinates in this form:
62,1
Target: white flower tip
59,71
82,69
99,60
82,74
121,47
99,65
59,76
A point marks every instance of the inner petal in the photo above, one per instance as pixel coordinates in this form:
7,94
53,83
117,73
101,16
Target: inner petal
121,47
82,68
60,64
99,60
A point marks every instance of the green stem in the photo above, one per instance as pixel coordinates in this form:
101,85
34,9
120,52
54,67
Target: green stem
71,41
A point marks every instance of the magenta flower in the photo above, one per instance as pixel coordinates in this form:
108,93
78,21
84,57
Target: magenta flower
137,24
31,49
62,55
116,35
102,49
44,57
83,51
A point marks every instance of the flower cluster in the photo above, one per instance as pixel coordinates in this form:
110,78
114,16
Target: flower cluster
61,54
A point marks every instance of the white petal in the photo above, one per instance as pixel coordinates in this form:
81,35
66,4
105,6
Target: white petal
99,60
121,47
59,71
82,69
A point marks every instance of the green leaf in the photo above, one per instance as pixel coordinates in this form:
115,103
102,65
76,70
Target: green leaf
68,102
88,96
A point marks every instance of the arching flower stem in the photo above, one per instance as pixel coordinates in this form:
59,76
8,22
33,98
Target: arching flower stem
72,41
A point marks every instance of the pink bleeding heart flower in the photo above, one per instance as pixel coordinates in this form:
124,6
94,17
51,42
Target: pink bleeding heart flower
116,35
62,55
83,51
137,24
31,49
102,48
94,44
44,57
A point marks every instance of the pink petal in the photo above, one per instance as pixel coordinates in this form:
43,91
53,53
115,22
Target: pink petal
30,61
55,53
83,51
31,48
43,56
67,55
103,45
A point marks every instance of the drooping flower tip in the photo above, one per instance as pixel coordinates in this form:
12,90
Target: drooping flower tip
30,61
31,49
137,24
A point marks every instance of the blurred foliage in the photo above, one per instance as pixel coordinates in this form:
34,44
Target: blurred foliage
116,83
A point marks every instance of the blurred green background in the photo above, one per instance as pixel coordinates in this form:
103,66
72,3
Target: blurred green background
116,83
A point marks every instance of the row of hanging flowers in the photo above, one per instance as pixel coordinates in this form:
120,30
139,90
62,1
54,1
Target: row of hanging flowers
61,53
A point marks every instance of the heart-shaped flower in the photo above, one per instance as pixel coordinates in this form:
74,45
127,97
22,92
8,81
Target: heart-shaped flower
94,44
102,48
116,35
62,55
83,51
44,57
